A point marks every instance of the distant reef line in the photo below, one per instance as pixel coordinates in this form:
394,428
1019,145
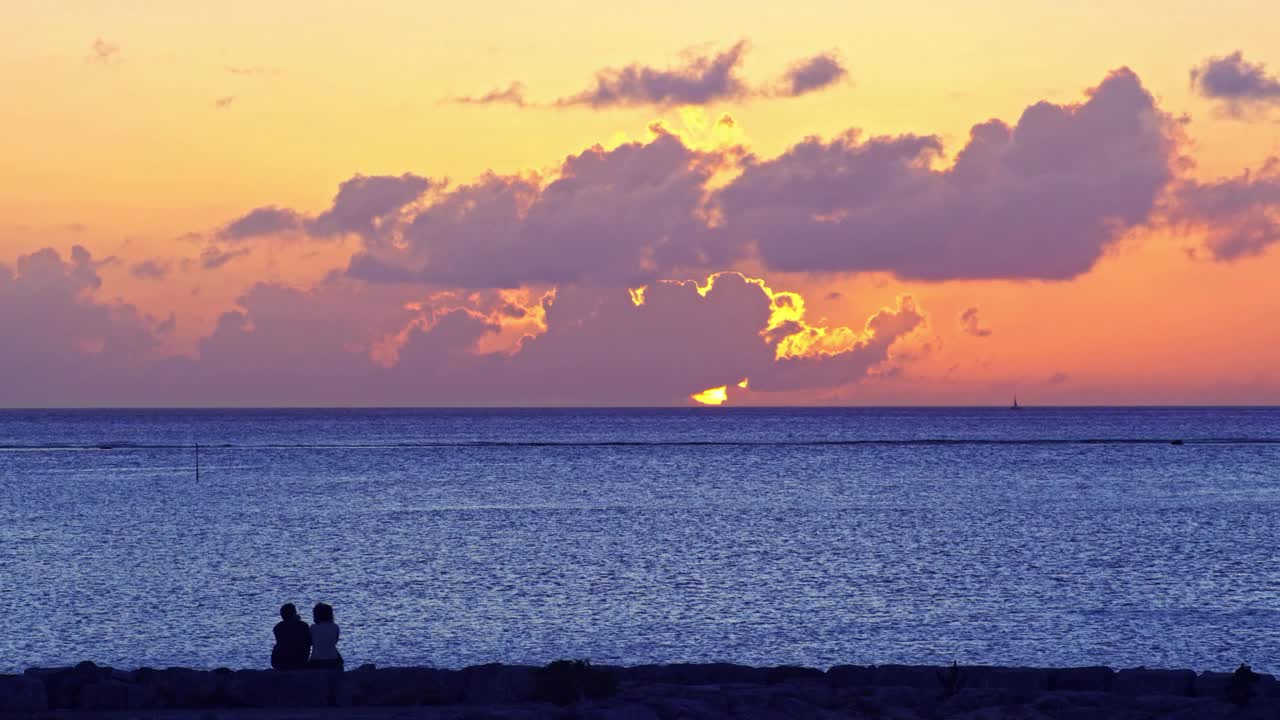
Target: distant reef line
578,689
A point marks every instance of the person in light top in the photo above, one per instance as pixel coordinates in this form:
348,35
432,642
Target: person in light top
324,639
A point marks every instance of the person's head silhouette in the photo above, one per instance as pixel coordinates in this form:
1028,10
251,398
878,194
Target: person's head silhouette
322,612
288,611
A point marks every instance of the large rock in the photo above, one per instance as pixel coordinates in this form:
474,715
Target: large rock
273,688
405,686
496,684
63,686
109,694
1140,681
697,674
1082,679
1024,681
851,676
924,677
22,693
183,688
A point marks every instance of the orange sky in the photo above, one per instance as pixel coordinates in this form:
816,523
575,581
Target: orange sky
188,115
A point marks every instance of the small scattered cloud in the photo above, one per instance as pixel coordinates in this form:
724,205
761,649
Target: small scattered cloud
970,323
701,79
251,70
266,220
816,73
1058,378
1240,85
103,52
150,269
214,257
224,103
513,94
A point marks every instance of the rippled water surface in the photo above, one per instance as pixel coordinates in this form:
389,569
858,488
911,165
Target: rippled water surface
816,537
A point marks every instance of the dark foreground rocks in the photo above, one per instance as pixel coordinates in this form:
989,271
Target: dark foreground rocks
651,692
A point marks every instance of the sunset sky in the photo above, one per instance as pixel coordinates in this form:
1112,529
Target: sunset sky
398,202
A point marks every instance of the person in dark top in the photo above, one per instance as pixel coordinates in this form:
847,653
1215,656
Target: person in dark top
293,640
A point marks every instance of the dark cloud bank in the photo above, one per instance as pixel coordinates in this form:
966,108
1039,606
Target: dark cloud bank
1043,198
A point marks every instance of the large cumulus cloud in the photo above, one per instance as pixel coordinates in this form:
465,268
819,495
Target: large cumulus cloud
625,215
349,342
1043,198
61,341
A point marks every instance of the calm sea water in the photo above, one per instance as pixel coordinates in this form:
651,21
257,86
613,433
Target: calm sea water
1045,537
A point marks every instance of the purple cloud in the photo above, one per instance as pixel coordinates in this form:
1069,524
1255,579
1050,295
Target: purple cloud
971,325
623,215
361,204
1240,216
816,73
266,220
702,79
214,257
72,347
598,347
513,94
149,269
364,200
1236,82
103,52
1041,199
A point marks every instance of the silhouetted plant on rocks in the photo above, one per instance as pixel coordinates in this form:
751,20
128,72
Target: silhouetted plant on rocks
1240,687
951,680
564,682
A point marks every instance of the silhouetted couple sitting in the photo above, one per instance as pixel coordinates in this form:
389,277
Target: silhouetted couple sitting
299,647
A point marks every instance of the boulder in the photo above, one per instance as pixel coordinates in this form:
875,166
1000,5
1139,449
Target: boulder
63,686
109,694
496,684
851,676
1082,679
924,677
405,686
626,711
183,688
22,693
1024,681
1140,681
274,688
696,674
568,681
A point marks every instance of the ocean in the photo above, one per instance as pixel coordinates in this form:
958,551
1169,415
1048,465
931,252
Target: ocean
1047,536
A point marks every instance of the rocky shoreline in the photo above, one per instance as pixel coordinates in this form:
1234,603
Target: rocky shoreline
568,689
